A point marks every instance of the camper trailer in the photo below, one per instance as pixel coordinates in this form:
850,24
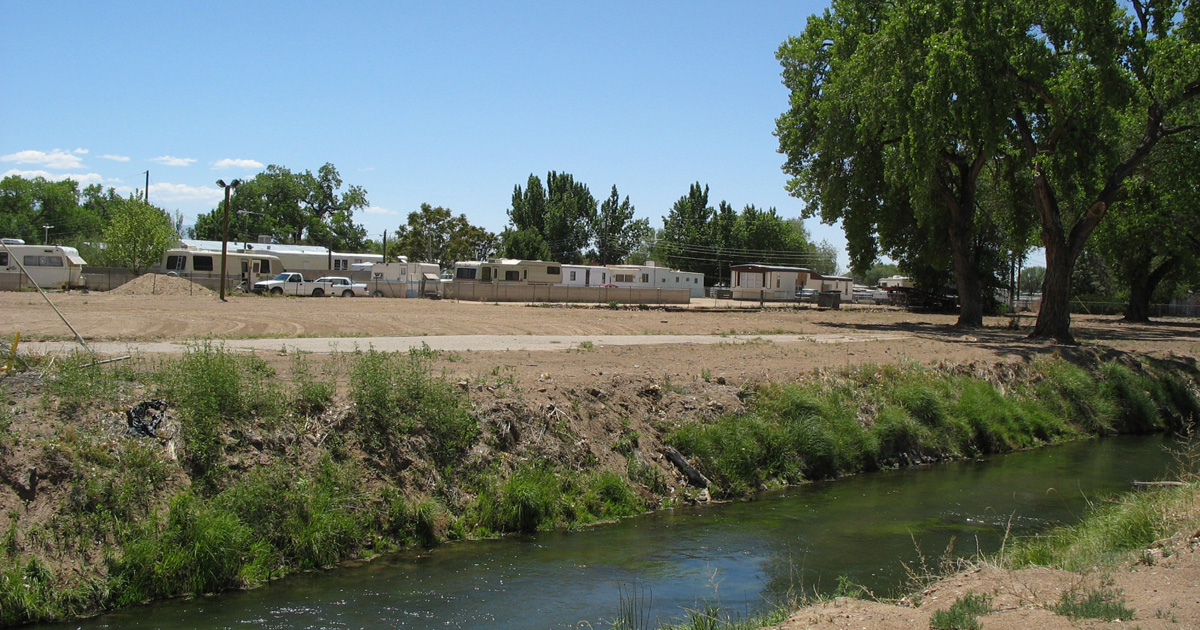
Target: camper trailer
405,280
49,266
301,258
197,264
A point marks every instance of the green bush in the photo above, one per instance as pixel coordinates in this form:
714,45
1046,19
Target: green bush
394,396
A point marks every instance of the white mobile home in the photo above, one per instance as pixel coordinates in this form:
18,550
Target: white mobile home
653,276
508,270
199,264
50,266
585,276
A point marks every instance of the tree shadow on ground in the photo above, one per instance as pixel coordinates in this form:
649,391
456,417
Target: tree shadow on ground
1013,340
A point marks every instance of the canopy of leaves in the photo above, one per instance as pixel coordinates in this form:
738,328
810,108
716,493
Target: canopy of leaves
436,235
300,208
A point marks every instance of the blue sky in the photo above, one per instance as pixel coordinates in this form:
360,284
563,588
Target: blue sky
447,103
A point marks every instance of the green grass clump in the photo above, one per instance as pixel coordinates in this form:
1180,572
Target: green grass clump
1110,531
1106,604
395,397
75,383
216,390
963,613
872,417
537,496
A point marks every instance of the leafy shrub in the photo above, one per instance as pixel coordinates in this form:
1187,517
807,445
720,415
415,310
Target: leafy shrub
394,396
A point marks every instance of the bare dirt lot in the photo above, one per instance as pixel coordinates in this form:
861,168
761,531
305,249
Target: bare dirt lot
558,350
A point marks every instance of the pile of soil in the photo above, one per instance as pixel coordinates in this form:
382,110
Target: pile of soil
161,284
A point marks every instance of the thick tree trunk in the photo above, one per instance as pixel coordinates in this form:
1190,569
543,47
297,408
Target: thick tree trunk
970,313
1142,283
1054,318
962,230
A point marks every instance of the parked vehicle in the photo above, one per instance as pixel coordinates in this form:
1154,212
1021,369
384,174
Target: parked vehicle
336,285
293,283
807,295
50,266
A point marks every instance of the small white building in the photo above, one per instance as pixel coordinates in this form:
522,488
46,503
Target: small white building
770,282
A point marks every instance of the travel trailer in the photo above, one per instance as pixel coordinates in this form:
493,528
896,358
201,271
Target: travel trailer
204,264
50,266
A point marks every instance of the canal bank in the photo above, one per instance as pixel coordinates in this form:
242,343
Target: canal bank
268,474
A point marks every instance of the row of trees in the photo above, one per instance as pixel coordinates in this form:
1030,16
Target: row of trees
38,210
956,135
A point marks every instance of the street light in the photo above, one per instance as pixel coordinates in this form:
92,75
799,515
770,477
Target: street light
225,229
46,240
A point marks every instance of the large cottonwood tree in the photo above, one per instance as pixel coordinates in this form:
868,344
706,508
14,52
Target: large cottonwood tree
897,108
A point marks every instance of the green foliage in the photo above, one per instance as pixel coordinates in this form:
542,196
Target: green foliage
962,613
435,235
529,500
216,390
200,549
1108,533
137,234
562,214
1106,604
76,384
615,233
311,396
302,208
877,416
394,397
536,496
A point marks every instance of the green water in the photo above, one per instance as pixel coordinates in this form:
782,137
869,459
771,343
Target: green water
742,555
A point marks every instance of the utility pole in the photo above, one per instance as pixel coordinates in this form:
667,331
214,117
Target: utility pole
146,197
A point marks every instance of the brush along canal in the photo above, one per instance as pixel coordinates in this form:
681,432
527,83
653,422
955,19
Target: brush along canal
250,477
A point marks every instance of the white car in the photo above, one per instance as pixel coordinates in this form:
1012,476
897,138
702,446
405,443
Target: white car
337,285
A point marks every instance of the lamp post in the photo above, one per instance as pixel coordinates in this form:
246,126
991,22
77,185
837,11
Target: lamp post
46,239
225,229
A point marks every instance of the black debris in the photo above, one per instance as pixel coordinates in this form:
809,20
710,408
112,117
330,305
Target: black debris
144,417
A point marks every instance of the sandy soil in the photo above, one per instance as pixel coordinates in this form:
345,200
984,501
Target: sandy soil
578,353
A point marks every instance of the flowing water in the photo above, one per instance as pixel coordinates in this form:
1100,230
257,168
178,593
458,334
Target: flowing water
741,556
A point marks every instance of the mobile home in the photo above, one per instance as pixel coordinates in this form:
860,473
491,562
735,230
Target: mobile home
299,258
206,265
508,270
653,276
770,282
50,266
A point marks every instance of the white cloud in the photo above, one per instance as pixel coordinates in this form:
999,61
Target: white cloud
57,159
168,160
115,158
84,179
239,163
80,151
378,210
184,193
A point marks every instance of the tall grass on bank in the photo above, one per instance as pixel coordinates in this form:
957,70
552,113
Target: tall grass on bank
1111,531
216,391
396,397
876,417
536,496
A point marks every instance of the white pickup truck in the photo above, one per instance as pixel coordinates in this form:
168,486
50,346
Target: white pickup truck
293,283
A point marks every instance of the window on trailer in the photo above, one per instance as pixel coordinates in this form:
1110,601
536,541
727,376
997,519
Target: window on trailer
3,259
553,271
43,261
512,276
465,273
176,263
202,263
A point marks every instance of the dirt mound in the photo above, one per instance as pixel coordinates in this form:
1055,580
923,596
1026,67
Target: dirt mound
161,284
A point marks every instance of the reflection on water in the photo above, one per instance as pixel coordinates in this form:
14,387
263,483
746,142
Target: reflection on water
742,555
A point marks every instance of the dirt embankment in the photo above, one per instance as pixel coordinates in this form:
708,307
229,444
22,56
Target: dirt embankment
603,393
